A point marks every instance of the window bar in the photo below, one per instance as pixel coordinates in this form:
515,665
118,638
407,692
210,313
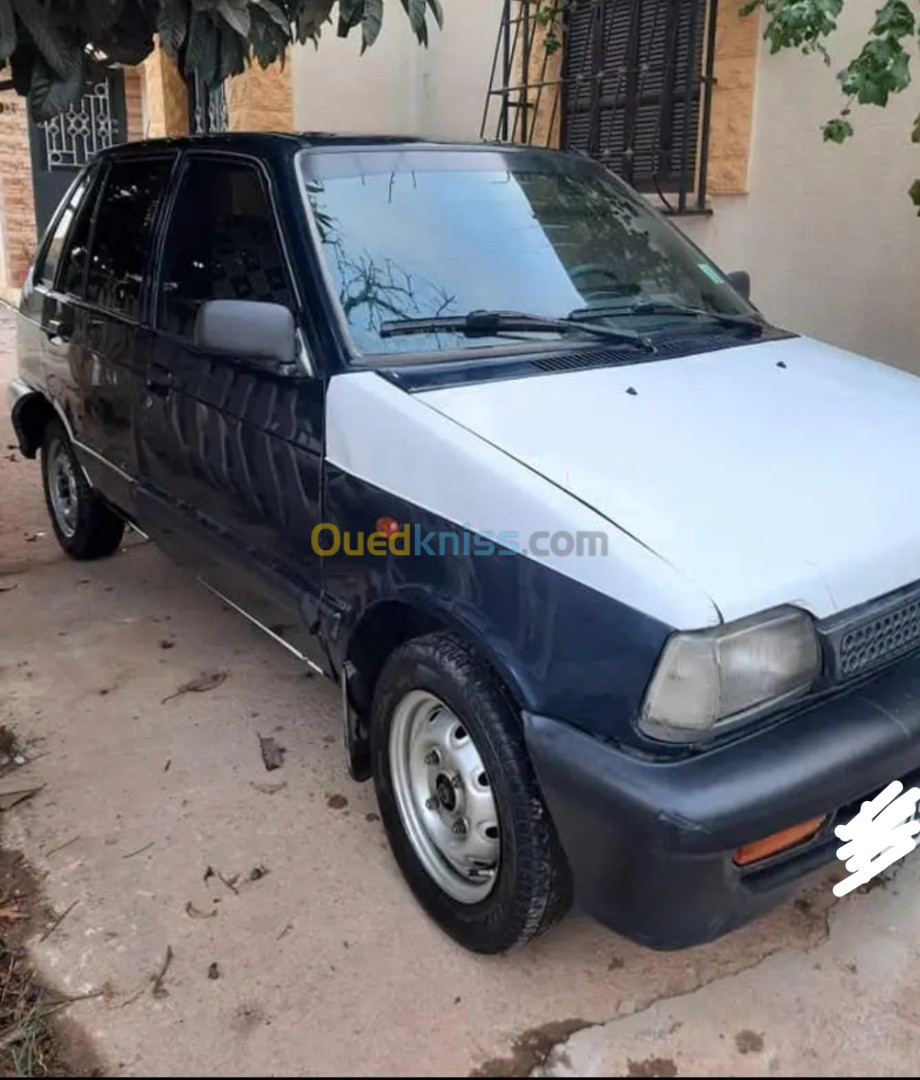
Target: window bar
646,68
598,24
689,74
631,103
604,149
665,163
506,64
512,54
708,84
502,28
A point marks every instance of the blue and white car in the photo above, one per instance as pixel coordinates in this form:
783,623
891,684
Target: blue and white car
621,583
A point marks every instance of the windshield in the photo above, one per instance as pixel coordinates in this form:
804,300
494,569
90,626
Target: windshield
428,233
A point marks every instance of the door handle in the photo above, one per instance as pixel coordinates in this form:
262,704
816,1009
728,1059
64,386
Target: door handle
159,381
59,328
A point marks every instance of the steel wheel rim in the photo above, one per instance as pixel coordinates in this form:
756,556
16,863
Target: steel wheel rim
444,797
62,486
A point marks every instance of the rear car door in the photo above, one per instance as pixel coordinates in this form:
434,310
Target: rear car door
112,339
230,453
90,298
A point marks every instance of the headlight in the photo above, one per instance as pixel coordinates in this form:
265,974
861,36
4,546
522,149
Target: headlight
712,678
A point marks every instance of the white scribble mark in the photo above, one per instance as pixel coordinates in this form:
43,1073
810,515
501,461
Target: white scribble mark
883,831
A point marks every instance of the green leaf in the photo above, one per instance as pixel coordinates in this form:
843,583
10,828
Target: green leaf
50,95
172,25
236,14
62,59
438,12
371,23
267,39
309,16
915,136
914,192
274,12
7,29
202,51
894,18
837,131
232,53
350,12
417,10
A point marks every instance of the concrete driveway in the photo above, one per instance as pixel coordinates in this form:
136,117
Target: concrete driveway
325,964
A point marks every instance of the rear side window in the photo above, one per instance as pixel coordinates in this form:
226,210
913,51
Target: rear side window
223,244
123,234
73,269
50,259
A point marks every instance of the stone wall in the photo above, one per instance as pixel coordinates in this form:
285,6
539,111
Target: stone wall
17,210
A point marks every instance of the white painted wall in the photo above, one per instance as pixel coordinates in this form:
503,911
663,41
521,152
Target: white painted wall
828,232
397,87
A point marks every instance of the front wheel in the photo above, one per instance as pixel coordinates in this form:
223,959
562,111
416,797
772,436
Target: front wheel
459,799
85,527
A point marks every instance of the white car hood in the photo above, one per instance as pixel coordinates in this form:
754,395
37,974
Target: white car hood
780,472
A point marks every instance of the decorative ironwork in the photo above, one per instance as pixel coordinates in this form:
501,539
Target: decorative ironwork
208,113
72,137
633,89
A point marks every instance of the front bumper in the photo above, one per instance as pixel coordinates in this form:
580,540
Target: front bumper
650,842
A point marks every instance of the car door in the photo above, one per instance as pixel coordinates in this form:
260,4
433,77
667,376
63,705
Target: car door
96,319
229,452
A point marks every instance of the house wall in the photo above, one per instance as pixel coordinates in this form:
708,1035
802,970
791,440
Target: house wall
17,211
828,232
397,87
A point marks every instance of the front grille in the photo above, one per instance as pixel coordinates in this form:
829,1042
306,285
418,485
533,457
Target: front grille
875,634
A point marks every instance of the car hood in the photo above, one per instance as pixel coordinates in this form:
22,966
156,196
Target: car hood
784,471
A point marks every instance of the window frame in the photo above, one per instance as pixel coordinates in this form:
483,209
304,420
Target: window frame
266,180
144,297
155,225
91,171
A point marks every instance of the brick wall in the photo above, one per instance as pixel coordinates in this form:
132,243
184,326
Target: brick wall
134,103
165,99
261,99
17,212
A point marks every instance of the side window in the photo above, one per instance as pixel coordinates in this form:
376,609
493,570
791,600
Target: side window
74,260
50,259
122,237
222,244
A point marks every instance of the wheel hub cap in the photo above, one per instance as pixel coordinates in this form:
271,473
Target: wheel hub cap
62,485
444,797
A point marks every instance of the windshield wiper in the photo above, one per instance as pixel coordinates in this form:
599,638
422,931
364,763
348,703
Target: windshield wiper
493,323
663,307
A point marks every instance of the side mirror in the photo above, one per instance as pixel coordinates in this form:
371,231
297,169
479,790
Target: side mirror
248,329
740,281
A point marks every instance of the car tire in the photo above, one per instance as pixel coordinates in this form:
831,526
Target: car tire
85,526
502,882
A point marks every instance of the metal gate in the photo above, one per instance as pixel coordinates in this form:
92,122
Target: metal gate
633,91
207,107
61,146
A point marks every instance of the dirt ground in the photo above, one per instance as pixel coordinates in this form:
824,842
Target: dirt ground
238,922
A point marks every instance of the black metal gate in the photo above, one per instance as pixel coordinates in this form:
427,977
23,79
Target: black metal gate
634,90
60,147
207,107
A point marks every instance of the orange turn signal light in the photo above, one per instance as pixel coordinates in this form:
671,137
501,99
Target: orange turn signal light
777,842
389,526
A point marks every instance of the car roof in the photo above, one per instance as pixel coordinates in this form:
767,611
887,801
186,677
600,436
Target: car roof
271,143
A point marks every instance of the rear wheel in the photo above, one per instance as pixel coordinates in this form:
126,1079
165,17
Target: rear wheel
85,527
459,798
